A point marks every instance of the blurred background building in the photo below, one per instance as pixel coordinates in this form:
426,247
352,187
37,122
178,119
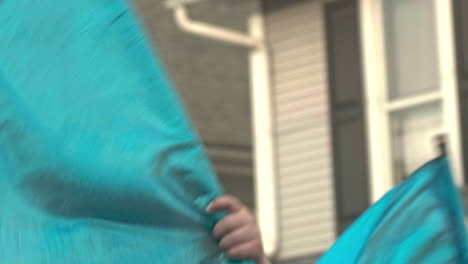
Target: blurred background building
358,94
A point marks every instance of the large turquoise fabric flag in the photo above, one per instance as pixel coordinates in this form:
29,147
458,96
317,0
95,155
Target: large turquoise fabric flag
98,163
420,221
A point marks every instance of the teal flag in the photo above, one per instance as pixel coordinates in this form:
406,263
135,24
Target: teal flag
98,163
419,221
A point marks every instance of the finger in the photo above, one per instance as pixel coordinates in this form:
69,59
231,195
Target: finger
237,237
251,250
230,223
225,203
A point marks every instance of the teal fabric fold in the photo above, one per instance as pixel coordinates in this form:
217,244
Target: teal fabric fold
419,221
98,162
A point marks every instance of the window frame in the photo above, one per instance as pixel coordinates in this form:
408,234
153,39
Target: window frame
379,107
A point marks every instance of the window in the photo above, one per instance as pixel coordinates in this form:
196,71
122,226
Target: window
413,86
410,83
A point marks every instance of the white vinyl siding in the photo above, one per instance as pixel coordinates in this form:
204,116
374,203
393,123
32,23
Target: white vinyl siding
302,131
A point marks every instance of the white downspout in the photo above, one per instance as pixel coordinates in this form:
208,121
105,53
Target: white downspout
213,32
265,180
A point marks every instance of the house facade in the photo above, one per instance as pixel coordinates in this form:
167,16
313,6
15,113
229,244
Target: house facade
360,93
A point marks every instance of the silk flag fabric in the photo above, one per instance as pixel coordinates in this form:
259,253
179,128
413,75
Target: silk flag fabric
98,163
420,221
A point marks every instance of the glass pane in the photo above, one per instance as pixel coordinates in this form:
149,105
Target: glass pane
410,39
413,134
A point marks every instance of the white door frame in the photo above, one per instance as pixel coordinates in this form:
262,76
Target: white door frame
378,107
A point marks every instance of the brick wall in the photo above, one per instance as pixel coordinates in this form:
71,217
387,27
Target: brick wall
212,79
